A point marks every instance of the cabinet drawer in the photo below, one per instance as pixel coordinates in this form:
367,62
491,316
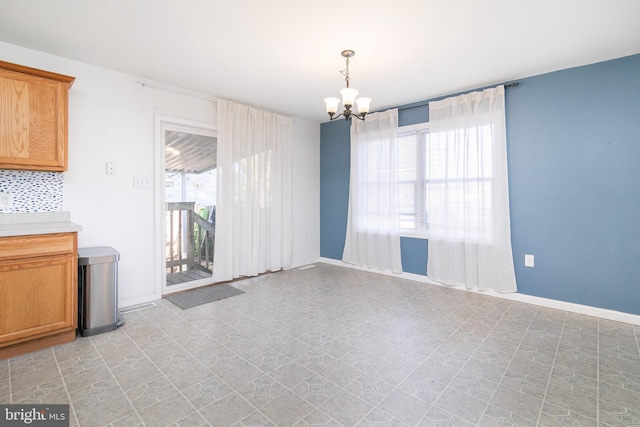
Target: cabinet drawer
37,245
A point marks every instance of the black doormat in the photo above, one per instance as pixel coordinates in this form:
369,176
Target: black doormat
201,296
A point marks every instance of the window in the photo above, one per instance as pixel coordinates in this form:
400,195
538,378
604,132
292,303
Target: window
412,144
459,184
433,177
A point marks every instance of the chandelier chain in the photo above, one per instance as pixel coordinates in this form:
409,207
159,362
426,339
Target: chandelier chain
345,72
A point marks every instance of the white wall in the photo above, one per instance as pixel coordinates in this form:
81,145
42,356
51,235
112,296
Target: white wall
306,192
111,118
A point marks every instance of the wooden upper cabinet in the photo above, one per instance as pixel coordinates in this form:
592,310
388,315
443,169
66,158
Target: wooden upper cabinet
33,118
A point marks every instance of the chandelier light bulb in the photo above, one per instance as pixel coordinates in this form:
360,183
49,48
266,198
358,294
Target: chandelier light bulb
363,105
348,96
332,104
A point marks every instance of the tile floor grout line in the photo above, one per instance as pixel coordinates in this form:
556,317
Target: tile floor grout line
341,388
315,407
259,410
204,332
394,388
338,423
210,336
315,373
462,367
330,292
431,405
512,357
373,407
466,320
555,356
165,376
338,319
117,382
66,389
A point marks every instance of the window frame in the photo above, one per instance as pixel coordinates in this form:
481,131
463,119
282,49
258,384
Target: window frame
419,188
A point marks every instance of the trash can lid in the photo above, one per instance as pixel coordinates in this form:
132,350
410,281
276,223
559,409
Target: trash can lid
97,255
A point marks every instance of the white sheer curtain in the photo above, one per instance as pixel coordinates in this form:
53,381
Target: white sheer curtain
467,193
254,230
373,224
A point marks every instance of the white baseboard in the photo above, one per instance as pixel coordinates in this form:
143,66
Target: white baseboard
128,302
301,263
602,313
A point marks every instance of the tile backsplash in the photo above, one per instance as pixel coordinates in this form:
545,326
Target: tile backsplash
32,191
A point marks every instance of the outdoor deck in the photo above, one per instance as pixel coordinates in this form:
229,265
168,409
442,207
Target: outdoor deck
186,276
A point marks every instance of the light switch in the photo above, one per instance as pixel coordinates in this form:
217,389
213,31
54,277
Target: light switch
111,168
141,182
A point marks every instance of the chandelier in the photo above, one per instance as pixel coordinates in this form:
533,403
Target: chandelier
348,97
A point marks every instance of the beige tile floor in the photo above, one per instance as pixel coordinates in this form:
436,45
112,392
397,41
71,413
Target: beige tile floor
332,346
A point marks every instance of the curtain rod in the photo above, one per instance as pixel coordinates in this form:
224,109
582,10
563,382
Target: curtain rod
424,104
178,90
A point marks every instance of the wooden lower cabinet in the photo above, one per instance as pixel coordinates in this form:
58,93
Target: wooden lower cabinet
38,291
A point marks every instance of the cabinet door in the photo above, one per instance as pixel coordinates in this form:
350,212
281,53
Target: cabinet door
33,121
36,297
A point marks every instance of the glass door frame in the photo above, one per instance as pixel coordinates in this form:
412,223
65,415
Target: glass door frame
162,124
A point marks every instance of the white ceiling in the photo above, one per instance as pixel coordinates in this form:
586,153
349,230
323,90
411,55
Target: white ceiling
284,55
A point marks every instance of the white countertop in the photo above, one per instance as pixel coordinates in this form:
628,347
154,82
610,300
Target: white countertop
22,224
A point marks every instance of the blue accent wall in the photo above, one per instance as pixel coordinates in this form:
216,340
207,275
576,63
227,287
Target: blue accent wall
335,156
573,142
574,176
414,255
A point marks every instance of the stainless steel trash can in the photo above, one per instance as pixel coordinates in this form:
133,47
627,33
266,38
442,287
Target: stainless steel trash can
98,290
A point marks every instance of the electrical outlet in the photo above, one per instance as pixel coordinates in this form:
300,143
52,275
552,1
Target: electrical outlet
6,201
528,260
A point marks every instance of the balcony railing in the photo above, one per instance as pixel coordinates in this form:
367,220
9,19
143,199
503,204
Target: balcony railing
190,239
